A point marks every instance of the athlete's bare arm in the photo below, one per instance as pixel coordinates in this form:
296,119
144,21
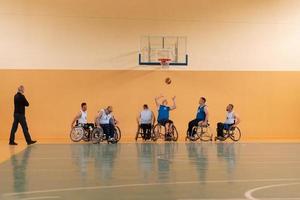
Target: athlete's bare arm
75,119
173,107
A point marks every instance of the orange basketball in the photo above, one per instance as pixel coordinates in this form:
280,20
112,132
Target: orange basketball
168,81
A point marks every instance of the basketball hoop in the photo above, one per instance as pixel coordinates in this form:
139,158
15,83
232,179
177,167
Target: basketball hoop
164,62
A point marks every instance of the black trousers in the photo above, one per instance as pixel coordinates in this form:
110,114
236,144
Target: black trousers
88,125
19,118
220,127
192,123
146,128
109,130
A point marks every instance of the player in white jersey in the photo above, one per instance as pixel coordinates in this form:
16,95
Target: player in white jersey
145,120
106,120
81,117
232,119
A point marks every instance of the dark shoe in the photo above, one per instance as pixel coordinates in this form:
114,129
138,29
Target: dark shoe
13,143
192,138
220,138
112,140
31,142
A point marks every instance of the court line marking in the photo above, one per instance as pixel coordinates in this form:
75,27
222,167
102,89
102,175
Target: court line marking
146,184
44,197
249,193
247,162
213,199
245,199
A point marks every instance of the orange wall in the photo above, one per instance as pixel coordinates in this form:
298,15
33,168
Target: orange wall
268,102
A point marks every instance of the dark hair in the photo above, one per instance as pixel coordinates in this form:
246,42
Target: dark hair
145,106
83,104
231,105
204,99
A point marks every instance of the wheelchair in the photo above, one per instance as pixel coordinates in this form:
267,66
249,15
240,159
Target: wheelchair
81,132
234,133
201,132
159,132
140,133
99,136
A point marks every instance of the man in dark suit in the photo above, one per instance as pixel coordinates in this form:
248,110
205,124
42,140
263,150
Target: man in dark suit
19,117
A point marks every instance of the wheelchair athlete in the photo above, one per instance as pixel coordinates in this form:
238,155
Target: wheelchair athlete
164,113
201,117
107,122
81,119
145,121
232,120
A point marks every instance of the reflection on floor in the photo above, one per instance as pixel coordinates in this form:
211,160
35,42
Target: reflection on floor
153,171
8,151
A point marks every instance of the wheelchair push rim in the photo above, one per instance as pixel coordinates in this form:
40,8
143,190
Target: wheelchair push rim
117,134
97,135
140,134
86,136
157,132
205,134
174,133
195,136
235,134
76,134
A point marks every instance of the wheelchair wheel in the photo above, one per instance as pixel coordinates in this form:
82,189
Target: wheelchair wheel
139,134
97,135
174,133
196,135
77,134
235,134
187,137
117,134
86,136
157,132
204,133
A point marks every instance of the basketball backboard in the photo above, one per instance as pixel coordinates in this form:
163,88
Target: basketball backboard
154,48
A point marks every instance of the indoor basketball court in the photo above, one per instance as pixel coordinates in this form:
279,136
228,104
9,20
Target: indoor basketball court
147,99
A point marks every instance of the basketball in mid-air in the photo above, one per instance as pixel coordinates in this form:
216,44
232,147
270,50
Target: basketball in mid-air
168,81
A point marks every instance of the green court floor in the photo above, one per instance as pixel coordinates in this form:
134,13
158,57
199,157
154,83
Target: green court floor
153,171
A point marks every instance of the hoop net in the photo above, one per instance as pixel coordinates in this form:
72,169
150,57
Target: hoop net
164,62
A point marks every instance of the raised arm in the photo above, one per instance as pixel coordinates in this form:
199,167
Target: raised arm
157,100
153,118
173,107
75,119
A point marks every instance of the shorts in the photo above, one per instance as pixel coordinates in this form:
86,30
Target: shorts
164,122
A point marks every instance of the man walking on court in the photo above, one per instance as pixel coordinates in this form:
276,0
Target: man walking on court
20,103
